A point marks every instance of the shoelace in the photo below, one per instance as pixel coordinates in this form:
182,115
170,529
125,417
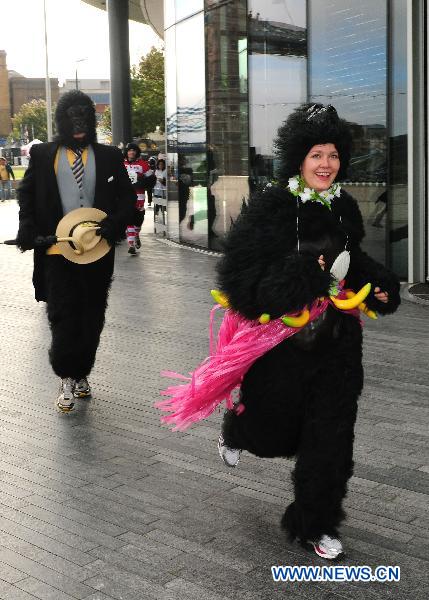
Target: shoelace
67,385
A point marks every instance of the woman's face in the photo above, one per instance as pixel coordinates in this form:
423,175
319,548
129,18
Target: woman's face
320,167
161,165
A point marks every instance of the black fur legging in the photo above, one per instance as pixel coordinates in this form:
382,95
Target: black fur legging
76,304
303,403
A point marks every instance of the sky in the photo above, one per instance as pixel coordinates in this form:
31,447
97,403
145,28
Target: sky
76,31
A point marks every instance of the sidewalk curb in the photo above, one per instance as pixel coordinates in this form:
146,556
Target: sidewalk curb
405,295
173,244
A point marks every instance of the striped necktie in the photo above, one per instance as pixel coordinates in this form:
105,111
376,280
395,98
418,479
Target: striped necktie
78,168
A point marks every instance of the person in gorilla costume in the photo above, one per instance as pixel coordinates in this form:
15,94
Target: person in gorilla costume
76,294
300,398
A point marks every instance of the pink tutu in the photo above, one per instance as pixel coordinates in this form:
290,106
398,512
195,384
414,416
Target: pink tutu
240,343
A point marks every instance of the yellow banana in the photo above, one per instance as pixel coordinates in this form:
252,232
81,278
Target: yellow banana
264,318
363,307
298,321
220,298
349,303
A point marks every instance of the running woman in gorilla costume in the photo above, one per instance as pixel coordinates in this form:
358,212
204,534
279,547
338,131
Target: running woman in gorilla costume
73,171
293,280
300,398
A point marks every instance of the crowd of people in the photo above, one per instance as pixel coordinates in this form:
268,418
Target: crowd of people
293,280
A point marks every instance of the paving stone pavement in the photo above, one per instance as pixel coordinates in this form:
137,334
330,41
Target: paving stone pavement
107,504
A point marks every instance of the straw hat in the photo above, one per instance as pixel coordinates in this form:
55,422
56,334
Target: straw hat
77,236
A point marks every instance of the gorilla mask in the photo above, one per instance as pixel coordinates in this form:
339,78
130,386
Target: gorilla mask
75,114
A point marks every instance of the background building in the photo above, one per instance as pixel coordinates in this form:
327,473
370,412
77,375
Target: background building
5,122
24,89
97,89
16,90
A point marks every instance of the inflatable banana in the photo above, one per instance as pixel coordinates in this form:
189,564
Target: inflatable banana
350,303
298,321
363,307
220,298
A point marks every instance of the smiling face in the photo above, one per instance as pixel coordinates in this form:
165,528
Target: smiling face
320,167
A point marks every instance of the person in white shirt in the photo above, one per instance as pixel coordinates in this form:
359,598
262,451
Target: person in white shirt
159,190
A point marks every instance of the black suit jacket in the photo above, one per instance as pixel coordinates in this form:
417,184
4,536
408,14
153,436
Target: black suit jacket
40,207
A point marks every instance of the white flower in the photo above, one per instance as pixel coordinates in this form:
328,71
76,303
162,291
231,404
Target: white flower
337,191
324,194
329,197
293,183
305,195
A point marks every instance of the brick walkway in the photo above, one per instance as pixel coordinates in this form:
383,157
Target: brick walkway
107,504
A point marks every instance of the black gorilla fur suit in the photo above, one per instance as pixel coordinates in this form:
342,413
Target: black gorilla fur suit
76,294
301,397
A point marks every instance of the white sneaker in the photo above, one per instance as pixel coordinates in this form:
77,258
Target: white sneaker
82,389
65,399
328,547
230,456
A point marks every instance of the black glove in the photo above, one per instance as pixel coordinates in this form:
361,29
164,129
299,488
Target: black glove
26,237
108,231
44,242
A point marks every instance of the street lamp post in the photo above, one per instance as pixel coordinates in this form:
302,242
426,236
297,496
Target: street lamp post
76,79
47,81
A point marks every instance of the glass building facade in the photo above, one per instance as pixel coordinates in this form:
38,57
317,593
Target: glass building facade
236,69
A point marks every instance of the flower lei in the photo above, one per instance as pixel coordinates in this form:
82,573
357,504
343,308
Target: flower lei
298,188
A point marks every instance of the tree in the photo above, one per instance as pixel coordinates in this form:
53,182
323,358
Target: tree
147,95
106,121
30,121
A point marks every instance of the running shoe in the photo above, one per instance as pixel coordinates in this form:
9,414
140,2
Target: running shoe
65,399
82,388
328,547
138,243
230,456
132,251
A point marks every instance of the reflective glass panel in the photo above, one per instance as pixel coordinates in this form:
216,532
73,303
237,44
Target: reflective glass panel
191,131
171,134
186,8
348,68
227,114
277,76
169,13
398,166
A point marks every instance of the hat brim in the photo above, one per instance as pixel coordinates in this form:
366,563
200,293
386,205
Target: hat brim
65,228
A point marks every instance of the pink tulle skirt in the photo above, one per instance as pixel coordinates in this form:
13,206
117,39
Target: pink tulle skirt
240,343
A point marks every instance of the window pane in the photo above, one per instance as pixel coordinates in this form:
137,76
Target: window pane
227,114
348,68
398,179
186,8
277,76
191,130
171,133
